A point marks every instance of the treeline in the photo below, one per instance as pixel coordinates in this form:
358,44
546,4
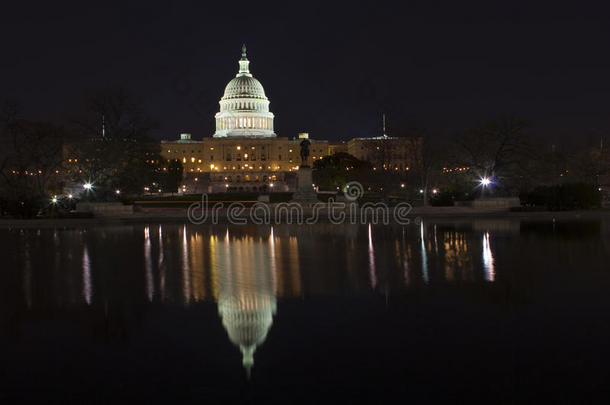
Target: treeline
106,146
513,160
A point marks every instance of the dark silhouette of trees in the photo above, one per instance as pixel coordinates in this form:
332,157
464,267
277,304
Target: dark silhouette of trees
112,149
338,169
171,178
30,162
496,148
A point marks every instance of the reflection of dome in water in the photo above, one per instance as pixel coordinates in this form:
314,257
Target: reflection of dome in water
247,320
246,292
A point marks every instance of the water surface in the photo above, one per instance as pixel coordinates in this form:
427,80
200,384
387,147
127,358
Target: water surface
490,309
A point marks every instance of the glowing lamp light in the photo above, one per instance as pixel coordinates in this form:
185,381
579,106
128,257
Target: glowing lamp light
54,200
402,185
271,185
434,191
485,181
117,191
70,196
88,186
421,191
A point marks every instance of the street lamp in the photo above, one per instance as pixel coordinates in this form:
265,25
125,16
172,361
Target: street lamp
485,181
88,186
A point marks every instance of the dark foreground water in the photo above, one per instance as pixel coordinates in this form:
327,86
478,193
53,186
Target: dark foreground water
495,310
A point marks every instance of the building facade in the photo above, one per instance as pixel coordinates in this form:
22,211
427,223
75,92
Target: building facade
245,154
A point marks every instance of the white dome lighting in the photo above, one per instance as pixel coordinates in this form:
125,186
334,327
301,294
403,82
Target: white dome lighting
244,108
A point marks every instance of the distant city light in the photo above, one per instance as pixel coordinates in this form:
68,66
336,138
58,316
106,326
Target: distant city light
117,191
421,191
70,196
270,184
402,185
434,190
54,200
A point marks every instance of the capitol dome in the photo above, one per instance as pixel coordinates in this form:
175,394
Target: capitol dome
244,107
244,87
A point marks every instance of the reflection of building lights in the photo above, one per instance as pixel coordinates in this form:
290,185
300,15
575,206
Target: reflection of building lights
488,259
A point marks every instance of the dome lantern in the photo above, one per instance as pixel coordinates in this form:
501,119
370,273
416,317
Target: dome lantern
244,63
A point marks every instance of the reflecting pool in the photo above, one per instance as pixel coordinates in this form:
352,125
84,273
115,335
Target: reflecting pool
492,309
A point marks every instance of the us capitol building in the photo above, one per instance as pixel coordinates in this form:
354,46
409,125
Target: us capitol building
245,153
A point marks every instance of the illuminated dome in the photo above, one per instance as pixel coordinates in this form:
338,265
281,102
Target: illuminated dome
244,87
244,108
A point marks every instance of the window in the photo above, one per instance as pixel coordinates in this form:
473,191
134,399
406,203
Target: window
279,157
228,157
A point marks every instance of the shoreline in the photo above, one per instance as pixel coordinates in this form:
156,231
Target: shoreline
436,214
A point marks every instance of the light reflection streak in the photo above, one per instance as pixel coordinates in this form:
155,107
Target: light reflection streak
161,265
148,264
186,271
372,270
488,259
197,267
405,259
272,260
87,290
424,255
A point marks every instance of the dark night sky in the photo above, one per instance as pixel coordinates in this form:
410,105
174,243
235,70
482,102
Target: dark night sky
330,69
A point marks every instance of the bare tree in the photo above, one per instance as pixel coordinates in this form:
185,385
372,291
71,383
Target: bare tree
494,148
